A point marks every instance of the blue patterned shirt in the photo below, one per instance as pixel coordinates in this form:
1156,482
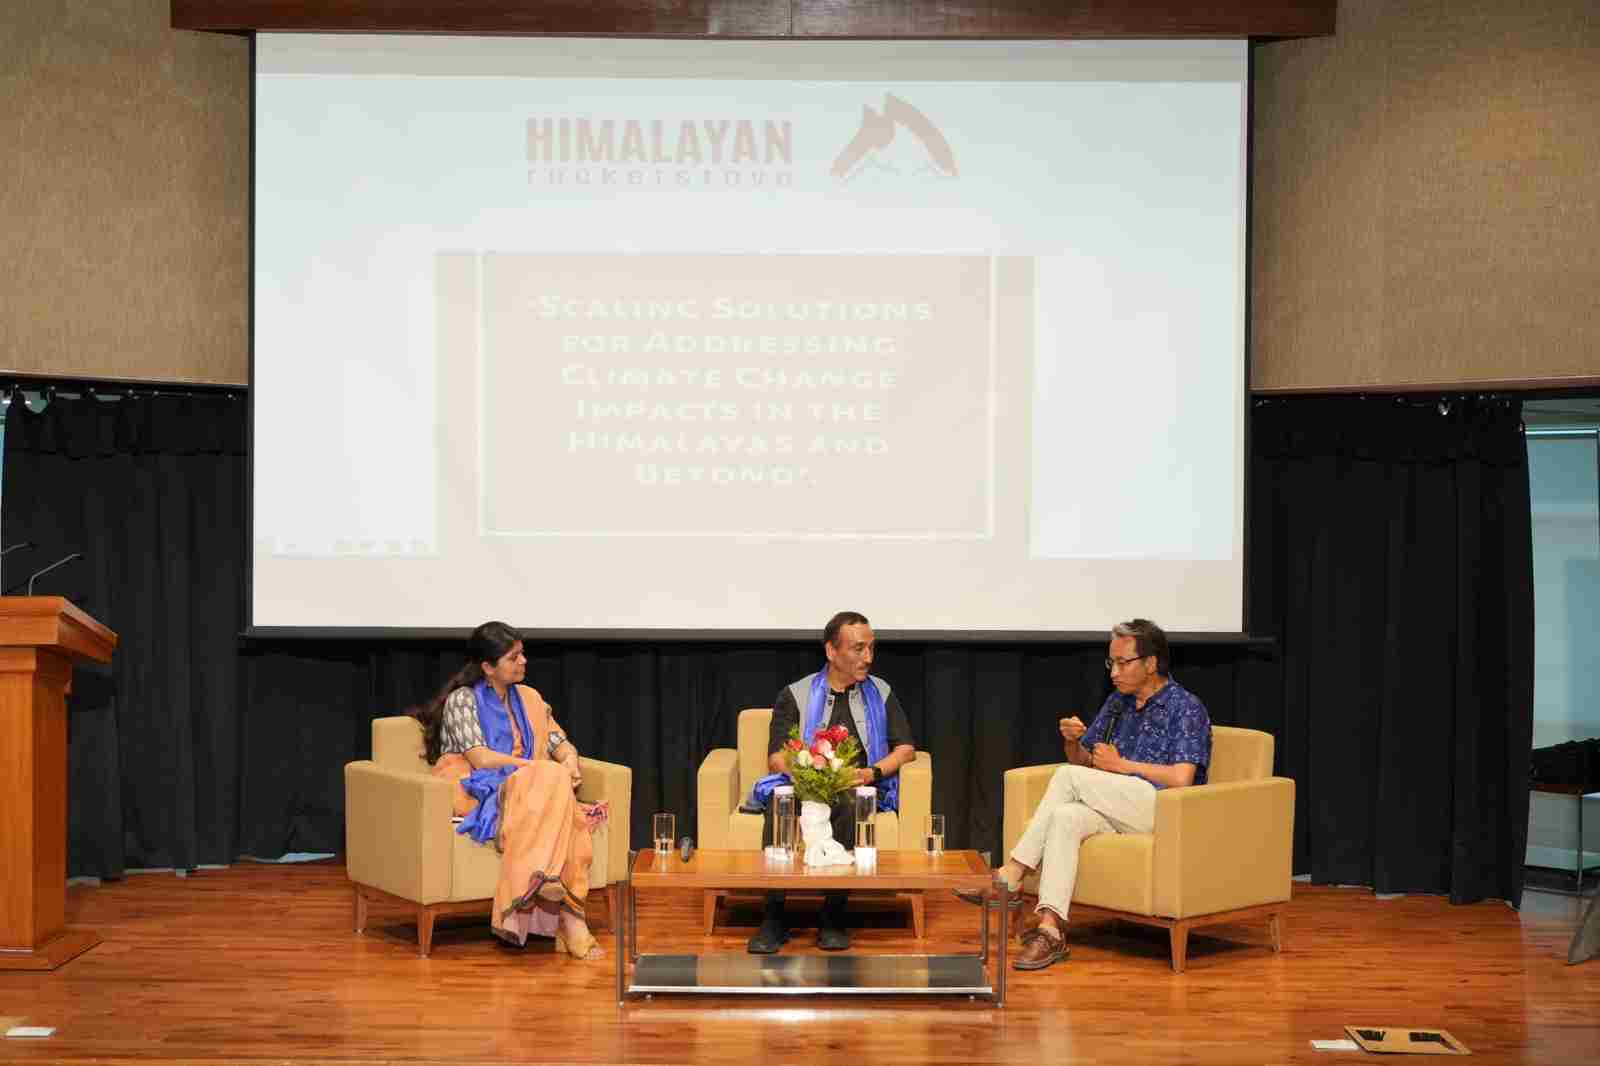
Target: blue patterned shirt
1173,727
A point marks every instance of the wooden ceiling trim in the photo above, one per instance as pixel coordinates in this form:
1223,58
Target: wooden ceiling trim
797,19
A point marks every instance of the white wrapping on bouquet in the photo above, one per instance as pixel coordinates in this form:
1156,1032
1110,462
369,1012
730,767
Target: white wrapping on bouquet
816,828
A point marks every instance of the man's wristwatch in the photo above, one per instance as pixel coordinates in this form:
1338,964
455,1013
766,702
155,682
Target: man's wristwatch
877,775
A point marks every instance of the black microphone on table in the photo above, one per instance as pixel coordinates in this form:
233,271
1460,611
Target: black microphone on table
52,566
685,848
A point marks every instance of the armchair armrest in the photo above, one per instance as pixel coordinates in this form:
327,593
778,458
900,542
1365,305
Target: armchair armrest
916,800
607,782
397,831
1024,789
716,797
1224,846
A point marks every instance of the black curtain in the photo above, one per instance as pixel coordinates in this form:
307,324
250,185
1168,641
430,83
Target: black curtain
1389,558
151,489
1391,553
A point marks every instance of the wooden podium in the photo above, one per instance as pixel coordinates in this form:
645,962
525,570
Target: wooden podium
41,637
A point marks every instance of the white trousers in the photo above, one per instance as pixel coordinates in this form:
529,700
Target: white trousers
1080,802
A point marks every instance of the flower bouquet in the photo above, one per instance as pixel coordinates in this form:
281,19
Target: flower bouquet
825,769
821,772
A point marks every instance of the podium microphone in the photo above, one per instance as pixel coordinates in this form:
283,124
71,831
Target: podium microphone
52,566
15,547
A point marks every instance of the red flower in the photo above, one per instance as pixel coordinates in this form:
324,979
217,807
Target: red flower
838,734
795,745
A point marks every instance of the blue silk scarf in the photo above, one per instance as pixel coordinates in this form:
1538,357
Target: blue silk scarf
494,716
876,740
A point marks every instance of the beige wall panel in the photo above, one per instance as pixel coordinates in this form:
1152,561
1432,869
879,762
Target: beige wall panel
1427,209
1317,175
124,194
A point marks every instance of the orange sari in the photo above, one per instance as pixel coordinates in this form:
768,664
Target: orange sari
545,834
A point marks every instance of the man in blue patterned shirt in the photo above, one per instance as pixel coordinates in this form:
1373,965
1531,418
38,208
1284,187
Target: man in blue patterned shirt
1150,734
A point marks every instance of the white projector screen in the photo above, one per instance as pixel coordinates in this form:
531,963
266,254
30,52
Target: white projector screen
673,337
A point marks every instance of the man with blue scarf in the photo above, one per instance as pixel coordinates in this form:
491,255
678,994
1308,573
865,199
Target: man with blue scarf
844,694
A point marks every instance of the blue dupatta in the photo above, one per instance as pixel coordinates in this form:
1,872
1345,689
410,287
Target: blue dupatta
494,717
876,740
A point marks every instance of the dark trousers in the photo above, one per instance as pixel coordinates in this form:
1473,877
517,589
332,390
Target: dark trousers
844,831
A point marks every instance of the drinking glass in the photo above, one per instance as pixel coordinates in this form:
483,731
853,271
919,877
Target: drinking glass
866,800
663,826
785,823
933,834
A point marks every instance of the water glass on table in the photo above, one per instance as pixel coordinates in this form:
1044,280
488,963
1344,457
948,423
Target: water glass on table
663,828
866,804
785,824
933,834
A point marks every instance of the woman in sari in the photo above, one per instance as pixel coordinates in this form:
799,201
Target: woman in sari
516,775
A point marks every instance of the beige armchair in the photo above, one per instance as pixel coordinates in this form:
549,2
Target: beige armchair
1220,852
728,774
401,847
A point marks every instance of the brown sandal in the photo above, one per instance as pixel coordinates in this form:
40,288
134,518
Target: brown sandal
582,946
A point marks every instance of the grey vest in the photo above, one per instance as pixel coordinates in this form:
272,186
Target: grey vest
801,691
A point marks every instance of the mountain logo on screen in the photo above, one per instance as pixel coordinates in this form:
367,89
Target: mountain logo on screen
876,148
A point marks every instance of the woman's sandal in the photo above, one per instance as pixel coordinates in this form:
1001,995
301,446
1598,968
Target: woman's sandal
590,951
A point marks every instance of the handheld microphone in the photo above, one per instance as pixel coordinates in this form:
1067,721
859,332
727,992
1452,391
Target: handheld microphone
686,848
1111,727
52,566
15,547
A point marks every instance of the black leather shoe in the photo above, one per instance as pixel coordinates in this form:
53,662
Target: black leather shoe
768,939
833,938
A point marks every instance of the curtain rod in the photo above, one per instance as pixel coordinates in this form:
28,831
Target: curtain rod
11,384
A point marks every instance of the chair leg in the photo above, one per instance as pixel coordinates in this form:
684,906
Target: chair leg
424,930
361,909
1275,930
709,905
1180,946
919,923
597,908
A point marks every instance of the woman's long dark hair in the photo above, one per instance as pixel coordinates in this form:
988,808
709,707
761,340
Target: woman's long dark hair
487,644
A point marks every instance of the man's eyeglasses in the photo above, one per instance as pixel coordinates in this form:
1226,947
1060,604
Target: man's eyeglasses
1112,664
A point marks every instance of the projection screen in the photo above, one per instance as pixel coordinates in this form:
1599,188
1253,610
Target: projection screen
670,337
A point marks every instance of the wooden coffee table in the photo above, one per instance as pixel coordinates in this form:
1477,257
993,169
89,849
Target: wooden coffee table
844,972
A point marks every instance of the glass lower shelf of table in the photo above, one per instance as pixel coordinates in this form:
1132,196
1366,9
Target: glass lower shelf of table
812,974
641,974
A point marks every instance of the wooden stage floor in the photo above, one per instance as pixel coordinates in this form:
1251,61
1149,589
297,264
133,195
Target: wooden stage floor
259,963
